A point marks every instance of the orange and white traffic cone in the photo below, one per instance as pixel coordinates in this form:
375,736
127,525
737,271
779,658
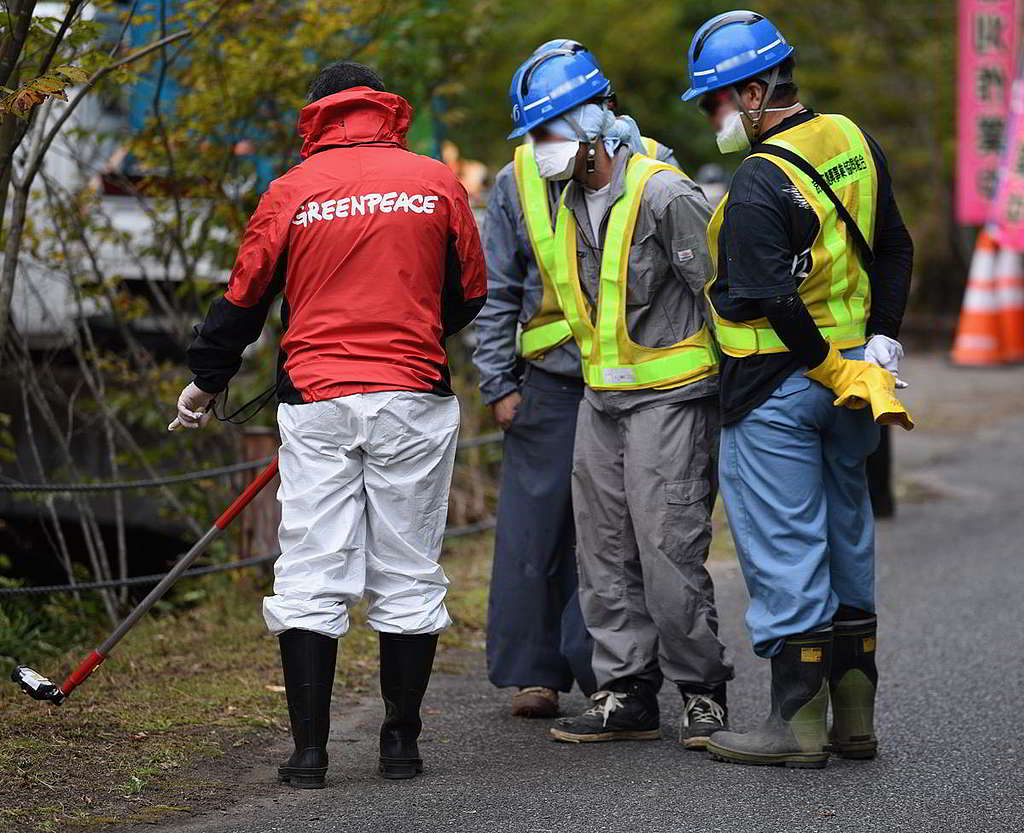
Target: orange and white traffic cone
1009,277
978,336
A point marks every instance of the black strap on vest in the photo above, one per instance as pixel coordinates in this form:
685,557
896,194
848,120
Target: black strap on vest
867,256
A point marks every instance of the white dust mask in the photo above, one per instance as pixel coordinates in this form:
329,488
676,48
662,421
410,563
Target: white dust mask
556,160
733,138
733,135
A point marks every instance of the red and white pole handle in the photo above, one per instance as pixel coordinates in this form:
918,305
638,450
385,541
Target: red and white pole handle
89,664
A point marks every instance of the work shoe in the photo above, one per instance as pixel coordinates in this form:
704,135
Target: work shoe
630,713
308,661
535,701
852,685
795,732
405,664
703,715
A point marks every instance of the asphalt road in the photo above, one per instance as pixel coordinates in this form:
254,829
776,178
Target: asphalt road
950,653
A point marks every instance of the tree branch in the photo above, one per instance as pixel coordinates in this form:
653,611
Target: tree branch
23,184
37,158
74,7
16,40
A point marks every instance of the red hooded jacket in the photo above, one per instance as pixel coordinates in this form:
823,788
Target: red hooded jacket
375,249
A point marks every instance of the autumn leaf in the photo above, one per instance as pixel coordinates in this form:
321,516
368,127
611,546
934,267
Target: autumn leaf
24,100
47,84
34,92
75,75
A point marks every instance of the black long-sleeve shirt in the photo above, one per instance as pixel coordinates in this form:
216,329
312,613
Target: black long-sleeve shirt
765,242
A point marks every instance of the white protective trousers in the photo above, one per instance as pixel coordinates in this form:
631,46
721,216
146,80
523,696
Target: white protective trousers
364,502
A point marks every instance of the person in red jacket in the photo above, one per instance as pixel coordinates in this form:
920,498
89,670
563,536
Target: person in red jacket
377,255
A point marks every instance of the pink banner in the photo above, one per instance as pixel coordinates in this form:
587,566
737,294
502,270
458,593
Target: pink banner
1008,213
987,60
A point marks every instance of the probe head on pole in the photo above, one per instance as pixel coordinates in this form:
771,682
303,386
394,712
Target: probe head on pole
36,686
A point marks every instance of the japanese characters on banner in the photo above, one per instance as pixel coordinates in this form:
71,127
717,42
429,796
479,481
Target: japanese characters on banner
989,40
1008,214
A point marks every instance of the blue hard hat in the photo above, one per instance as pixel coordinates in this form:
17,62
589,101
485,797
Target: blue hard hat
553,82
560,43
566,43
732,47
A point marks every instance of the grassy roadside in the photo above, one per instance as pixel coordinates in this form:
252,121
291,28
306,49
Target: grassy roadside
189,698
183,690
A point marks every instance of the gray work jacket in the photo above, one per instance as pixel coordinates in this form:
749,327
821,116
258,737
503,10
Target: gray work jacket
668,267
514,289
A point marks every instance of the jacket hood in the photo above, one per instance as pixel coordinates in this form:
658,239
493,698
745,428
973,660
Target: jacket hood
352,116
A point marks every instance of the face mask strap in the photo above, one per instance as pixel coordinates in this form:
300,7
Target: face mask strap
784,109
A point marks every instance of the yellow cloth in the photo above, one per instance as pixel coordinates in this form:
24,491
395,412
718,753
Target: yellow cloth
858,384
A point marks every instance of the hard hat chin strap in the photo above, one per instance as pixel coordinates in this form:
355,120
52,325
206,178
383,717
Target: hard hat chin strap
592,146
582,136
755,121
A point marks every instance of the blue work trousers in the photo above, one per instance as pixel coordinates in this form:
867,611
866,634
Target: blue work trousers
535,630
793,480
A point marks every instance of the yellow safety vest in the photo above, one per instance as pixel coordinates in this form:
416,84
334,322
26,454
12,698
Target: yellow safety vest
547,329
837,289
611,359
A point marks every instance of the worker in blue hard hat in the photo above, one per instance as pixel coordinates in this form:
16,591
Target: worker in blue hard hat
530,375
627,261
812,270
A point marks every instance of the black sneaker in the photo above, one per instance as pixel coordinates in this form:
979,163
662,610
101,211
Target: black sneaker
631,714
703,715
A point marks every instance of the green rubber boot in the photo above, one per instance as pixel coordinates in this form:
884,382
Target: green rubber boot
852,685
795,733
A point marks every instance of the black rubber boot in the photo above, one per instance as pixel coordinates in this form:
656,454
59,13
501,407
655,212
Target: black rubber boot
405,665
704,713
308,660
795,733
852,685
626,710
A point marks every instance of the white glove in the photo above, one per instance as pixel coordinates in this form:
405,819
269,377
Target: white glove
886,353
192,408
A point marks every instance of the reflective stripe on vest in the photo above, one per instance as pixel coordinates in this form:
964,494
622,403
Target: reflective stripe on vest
611,359
547,329
836,288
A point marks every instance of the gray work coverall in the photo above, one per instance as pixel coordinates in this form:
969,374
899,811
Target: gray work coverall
535,631
643,472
